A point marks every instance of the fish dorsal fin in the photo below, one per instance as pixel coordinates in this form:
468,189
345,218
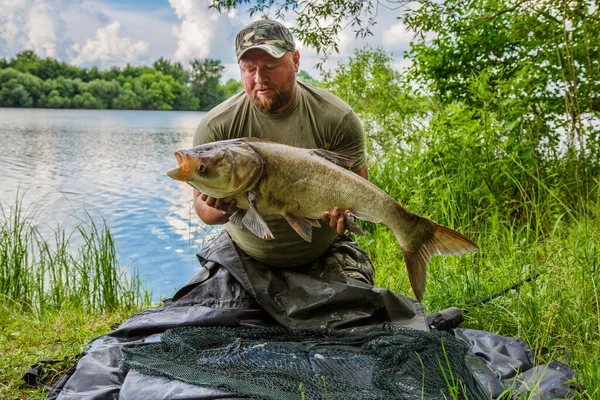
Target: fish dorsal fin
237,218
303,226
254,221
337,158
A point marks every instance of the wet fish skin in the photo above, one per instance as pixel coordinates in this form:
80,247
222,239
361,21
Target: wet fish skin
300,184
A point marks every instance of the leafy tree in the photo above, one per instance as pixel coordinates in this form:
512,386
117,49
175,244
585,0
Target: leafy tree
15,96
90,75
538,60
186,100
15,84
26,61
127,100
375,90
205,76
176,70
66,87
305,77
55,100
160,91
231,87
86,100
4,63
320,22
104,91
110,74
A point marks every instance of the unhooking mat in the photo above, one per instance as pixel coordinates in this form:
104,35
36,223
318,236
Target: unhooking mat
219,296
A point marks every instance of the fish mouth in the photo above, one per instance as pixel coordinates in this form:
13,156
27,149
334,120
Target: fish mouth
183,168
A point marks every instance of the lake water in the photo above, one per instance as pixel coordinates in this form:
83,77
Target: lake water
109,164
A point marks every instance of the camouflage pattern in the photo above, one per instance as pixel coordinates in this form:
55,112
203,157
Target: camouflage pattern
344,257
264,34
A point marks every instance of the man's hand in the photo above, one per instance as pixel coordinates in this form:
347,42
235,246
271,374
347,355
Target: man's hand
336,219
213,211
219,204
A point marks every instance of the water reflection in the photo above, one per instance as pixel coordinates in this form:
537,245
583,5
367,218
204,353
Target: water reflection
112,165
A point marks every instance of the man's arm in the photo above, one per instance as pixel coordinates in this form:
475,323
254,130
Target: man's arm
335,218
213,211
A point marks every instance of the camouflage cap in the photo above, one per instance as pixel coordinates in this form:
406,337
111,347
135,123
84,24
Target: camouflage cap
264,34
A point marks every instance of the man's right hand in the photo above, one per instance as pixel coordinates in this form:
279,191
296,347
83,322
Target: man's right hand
213,211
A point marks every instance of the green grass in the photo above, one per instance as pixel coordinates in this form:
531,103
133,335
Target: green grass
27,337
558,311
56,297
47,273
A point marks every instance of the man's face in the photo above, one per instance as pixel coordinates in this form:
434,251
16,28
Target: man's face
269,82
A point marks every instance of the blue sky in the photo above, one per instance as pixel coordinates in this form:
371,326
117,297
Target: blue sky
112,32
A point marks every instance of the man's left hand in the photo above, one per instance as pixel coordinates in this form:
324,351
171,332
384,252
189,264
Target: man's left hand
335,219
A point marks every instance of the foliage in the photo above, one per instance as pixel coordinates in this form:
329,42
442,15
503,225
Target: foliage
320,23
534,63
18,89
466,164
205,76
369,84
305,77
28,81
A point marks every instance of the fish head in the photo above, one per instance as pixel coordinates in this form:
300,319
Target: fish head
219,169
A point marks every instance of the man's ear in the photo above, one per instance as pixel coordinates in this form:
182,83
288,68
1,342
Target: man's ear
296,59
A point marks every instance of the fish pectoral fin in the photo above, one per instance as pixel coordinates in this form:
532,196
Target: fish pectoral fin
351,225
236,219
254,221
337,158
257,225
302,226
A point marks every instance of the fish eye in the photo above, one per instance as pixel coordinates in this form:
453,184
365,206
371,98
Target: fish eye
202,168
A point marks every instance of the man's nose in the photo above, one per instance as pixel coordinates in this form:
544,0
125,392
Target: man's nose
260,77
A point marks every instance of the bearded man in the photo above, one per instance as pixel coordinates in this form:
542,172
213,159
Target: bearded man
276,107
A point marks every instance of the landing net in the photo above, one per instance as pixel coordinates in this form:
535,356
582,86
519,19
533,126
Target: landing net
384,362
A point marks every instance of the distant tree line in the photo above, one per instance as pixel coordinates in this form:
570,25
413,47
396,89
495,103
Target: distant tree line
29,81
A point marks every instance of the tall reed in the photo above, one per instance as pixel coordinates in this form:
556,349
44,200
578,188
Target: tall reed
48,272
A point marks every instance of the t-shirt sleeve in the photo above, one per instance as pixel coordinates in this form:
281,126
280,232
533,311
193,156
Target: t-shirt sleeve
205,133
349,139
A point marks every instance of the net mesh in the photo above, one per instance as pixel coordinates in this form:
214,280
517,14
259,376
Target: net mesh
385,362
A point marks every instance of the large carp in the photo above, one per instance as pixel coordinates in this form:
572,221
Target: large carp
300,184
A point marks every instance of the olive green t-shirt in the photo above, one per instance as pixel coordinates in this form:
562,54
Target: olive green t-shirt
317,119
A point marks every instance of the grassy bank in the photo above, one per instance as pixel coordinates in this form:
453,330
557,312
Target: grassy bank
552,240
55,297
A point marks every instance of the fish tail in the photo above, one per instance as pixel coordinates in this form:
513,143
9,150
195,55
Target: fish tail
440,240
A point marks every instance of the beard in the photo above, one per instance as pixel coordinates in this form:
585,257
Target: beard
270,104
266,104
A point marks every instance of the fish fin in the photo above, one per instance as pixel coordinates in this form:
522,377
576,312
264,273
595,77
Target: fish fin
237,217
302,226
351,225
442,241
254,221
337,158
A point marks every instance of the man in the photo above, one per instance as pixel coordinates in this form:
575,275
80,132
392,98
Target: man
275,107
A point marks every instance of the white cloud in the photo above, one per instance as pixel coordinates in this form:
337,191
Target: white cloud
397,37
32,24
110,47
196,32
